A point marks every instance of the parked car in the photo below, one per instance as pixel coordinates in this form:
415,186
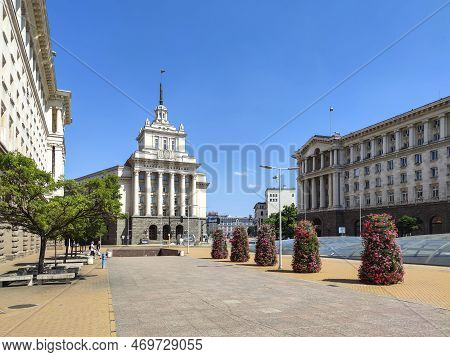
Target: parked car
191,239
145,241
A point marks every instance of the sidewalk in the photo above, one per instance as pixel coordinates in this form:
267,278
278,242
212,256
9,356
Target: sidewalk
423,283
82,308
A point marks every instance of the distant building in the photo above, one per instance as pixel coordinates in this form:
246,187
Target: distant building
400,165
227,223
260,213
288,197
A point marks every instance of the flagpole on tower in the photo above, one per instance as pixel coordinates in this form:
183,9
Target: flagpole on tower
160,86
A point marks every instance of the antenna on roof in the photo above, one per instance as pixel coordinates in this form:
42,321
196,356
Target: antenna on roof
331,109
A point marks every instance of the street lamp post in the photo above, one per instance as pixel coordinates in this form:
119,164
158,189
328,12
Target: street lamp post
280,240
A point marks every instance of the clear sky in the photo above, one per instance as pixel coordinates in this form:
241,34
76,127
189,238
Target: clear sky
238,70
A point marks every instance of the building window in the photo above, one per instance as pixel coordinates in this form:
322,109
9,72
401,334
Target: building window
433,155
141,199
346,175
367,184
367,170
367,198
378,182
419,193
448,151
418,175
346,187
173,145
379,198
403,162
435,191
378,168
390,180
434,172
356,200
347,202
404,196
390,196
390,165
355,172
403,177
356,186
157,142
418,159
165,144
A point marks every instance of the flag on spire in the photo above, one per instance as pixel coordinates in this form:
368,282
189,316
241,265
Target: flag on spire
331,109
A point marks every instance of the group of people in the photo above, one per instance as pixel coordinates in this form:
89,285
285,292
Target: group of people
94,250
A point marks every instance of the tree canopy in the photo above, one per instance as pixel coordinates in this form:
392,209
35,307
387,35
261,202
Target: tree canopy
288,221
28,200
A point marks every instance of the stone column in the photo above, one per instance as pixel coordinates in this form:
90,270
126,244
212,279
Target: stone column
336,157
362,150
397,140
160,193
335,190
59,121
313,163
313,193
300,200
442,127
148,192
194,196
385,144
351,154
341,189
330,190
373,148
426,132
322,160
307,190
322,191
136,193
182,195
171,194
411,136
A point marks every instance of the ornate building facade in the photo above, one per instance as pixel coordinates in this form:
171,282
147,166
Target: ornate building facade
33,111
162,192
400,166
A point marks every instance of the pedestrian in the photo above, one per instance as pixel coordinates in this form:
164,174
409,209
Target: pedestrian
99,245
92,249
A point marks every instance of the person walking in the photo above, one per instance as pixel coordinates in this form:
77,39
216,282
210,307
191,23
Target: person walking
92,249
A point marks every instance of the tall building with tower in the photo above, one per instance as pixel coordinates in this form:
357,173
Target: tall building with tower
163,193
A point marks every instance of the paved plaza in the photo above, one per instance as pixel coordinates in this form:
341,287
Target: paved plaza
174,296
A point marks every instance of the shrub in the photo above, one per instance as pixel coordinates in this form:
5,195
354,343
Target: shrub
219,248
239,245
381,258
266,253
306,257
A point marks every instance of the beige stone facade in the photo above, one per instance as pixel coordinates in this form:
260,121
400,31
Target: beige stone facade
33,111
400,165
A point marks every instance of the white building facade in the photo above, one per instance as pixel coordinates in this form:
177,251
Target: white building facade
400,166
162,192
33,111
287,198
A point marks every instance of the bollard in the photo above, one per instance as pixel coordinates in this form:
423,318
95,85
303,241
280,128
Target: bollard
103,260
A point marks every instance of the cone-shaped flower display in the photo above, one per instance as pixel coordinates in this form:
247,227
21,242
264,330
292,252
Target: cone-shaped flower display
266,253
239,245
306,257
219,246
381,258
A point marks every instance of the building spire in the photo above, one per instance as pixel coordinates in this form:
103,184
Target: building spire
160,94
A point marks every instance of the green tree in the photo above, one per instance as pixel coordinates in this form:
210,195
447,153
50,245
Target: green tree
288,221
407,225
252,231
28,200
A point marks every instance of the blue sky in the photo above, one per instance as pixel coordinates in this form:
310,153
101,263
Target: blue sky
236,71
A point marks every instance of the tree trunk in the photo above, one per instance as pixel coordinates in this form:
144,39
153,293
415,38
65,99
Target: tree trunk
42,255
67,242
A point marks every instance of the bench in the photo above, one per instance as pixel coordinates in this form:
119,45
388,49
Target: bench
55,277
7,279
61,261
